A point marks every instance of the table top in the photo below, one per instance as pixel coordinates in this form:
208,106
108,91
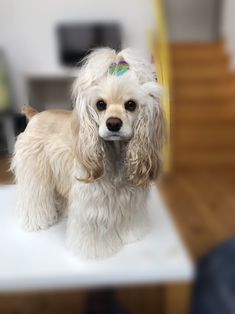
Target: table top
40,260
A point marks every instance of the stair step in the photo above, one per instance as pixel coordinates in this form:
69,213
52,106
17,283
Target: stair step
197,49
203,106
205,113
203,92
205,137
201,159
208,72
182,59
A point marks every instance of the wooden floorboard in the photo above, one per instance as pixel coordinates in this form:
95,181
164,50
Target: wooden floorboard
203,206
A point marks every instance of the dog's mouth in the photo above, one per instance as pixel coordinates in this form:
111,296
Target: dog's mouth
113,137
122,135
116,137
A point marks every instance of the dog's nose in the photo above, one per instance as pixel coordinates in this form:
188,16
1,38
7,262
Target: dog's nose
114,124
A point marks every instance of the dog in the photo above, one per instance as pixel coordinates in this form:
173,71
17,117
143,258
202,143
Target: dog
96,162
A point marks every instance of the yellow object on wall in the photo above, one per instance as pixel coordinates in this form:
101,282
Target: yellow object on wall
160,50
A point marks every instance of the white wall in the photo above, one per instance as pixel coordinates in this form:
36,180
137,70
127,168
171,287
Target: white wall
27,29
228,27
191,20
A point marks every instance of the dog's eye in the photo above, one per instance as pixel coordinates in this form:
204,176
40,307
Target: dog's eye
101,105
130,105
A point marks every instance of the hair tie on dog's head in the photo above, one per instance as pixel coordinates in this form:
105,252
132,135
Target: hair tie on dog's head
119,68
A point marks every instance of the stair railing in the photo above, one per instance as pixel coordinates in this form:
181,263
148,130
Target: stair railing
161,54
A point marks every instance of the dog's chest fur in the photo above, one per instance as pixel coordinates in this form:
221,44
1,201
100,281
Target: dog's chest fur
113,189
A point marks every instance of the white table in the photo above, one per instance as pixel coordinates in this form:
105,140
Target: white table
40,260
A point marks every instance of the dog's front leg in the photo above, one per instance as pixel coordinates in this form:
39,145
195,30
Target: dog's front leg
91,231
135,222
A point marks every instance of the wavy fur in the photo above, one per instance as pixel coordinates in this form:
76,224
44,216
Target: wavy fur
65,160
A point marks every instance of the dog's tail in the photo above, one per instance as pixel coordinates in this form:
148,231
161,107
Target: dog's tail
28,111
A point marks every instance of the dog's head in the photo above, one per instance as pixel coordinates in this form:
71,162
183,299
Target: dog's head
117,99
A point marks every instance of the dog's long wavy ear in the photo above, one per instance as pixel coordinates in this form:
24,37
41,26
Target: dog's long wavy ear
88,146
144,150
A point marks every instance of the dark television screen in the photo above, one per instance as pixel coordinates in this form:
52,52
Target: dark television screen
76,40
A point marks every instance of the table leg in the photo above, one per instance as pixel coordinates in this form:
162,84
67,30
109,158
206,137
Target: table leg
103,301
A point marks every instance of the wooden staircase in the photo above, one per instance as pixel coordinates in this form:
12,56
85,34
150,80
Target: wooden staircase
203,106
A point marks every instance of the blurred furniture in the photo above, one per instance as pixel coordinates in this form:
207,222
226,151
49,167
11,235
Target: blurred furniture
76,40
7,133
6,122
103,302
50,90
11,124
40,260
5,90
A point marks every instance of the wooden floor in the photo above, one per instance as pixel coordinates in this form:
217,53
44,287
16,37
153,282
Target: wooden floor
203,206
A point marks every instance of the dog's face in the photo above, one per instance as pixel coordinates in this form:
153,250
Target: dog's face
117,106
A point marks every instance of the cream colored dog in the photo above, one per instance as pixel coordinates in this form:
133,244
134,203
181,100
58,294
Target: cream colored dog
96,160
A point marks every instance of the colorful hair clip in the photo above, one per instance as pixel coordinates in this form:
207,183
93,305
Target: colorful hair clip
119,68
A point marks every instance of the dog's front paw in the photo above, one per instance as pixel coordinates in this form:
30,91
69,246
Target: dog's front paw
130,233
95,247
37,221
131,236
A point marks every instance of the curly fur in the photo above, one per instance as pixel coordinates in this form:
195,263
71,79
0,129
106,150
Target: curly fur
68,160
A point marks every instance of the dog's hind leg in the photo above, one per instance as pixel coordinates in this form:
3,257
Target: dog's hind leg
36,206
